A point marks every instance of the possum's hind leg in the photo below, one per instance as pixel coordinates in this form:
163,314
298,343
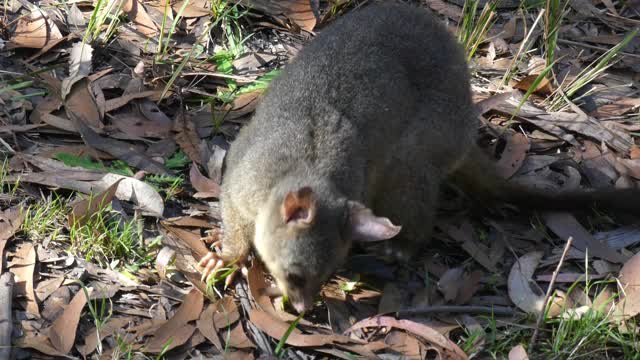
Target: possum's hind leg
409,198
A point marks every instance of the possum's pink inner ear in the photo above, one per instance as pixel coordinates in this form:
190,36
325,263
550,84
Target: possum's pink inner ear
299,207
365,226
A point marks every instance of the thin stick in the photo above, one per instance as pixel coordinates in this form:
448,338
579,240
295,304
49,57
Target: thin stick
496,310
548,295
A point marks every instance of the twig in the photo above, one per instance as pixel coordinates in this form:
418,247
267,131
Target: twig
496,310
548,295
597,48
6,323
7,146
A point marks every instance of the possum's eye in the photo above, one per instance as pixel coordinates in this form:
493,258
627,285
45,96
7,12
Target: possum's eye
295,280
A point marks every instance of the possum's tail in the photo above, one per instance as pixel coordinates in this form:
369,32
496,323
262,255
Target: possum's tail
477,176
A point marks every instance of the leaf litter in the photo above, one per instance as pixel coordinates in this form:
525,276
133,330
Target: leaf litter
103,118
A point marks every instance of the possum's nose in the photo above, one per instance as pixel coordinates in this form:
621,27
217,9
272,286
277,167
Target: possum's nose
301,305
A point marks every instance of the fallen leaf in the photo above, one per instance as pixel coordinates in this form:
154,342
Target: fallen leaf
112,326
299,11
80,106
513,155
42,344
10,222
190,239
119,149
518,353
629,284
406,345
23,266
177,330
543,88
258,288
566,225
202,183
79,67
187,137
237,338
134,190
447,348
518,283
139,16
62,332
34,31
277,329
48,287
82,211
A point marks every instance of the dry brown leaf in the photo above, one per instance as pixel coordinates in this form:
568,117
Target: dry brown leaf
518,353
80,104
112,326
451,11
299,11
34,31
82,211
543,88
566,225
391,299
62,332
116,103
119,149
406,345
23,266
619,107
138,14
237,338
277,329
187,137
518,283
48,287
176,328
193,8
80,59
42,344
513,155
10,222
629,278
479,252
258,288
445,347
217,316
134,190
191,239
202,183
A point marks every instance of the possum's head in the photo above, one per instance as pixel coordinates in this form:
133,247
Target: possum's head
304,235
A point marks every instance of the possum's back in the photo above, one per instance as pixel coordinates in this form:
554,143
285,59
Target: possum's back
366,80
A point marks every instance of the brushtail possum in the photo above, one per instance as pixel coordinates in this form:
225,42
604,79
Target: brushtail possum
351,143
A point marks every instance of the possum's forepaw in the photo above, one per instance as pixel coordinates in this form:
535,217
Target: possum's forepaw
212,264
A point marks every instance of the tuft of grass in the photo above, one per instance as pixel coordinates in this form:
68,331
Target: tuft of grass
472,33
557,100
109,240
45,218
555,11
104,13
9,189
279,352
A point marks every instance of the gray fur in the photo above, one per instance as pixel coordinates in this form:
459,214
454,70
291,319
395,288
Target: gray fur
365,113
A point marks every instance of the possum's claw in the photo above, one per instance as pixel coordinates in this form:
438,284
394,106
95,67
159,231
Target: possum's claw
212,262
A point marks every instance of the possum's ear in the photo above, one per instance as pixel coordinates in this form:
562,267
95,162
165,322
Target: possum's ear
364,226
299,207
